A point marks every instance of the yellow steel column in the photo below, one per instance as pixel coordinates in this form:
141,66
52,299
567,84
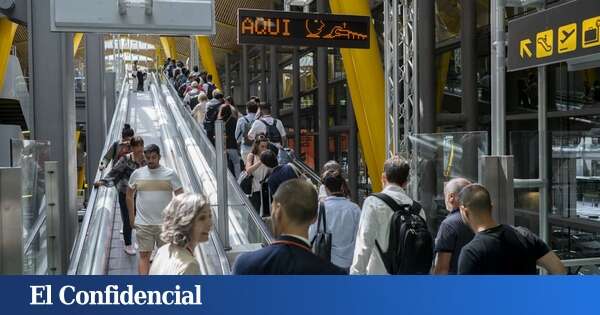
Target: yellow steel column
364,72
7,34
76,41
168,45
208,61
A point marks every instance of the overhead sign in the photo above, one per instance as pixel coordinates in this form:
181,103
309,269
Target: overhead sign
302,29
164,17
567,31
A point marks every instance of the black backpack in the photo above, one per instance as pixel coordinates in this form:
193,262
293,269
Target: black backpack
410,245
272,132
194,100
212,113
210,87
246,128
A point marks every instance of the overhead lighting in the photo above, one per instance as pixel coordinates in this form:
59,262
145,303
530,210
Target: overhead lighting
299,3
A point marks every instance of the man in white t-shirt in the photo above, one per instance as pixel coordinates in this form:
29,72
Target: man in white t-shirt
153,186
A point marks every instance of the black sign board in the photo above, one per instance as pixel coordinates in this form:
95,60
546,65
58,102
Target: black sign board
564,32
302,29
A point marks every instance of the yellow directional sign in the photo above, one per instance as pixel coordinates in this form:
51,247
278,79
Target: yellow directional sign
525,50
544,44
567,31
567,38
590,32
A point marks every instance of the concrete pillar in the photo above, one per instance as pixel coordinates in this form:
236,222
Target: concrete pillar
496,174
274,81
468,48
263,73
426,103
426,65
296,99
323,117
53,99
244,75
96,128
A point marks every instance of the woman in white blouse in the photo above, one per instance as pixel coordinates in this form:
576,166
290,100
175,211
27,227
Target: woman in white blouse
187,222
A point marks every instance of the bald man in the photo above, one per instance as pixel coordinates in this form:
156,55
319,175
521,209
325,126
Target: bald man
499,249
453,233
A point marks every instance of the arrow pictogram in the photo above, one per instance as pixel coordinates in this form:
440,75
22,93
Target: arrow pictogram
524,48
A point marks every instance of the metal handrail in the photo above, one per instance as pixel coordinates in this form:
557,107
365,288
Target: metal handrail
181,160
200,136
306,170
117,122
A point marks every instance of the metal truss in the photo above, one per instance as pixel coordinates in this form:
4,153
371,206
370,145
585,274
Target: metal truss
401,89
400,51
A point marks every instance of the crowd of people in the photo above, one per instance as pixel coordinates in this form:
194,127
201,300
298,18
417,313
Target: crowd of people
317,230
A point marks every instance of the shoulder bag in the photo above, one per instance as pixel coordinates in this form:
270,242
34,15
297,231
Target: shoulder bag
321,244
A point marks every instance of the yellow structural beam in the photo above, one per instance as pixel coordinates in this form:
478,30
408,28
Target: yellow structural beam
208,60
76,42
168,45
7,34
364,72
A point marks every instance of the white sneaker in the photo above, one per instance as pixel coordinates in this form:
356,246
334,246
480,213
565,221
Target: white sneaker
129,250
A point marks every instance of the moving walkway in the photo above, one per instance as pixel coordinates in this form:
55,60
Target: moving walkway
159,117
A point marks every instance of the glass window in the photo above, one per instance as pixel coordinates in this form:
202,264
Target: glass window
285,84
335,69
307,72
337,98
307,101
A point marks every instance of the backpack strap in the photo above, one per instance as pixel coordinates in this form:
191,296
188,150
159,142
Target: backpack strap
322,218
415,208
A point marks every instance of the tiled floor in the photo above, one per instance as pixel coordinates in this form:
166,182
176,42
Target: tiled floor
119,262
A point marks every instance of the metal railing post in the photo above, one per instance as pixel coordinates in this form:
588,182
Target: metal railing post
53,222
221,175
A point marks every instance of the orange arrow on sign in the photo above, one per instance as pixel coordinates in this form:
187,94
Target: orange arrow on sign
524,48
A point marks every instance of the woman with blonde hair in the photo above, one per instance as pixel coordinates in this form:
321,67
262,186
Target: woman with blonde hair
199,110
187,222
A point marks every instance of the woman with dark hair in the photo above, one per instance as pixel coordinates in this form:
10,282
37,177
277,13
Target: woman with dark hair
258,169
342,216
119,148
119,177
332,166
231,145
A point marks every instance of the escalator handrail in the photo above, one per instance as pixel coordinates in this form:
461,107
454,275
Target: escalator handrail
205,142
114,133
307,171
213,238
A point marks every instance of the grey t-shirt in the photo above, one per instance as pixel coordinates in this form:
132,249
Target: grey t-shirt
452,235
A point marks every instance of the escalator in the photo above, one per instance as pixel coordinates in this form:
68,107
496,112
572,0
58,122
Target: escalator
160,118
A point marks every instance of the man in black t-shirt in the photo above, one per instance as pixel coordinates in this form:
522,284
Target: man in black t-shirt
499,249
453,233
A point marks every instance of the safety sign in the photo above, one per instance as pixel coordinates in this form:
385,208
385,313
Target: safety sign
558,34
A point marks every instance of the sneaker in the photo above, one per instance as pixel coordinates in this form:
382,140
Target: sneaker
129,250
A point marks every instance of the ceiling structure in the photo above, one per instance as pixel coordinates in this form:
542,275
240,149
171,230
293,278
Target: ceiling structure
224,41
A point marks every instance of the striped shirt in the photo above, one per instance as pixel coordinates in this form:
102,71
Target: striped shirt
154,189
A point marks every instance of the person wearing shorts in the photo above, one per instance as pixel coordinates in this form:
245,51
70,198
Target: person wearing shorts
153,186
